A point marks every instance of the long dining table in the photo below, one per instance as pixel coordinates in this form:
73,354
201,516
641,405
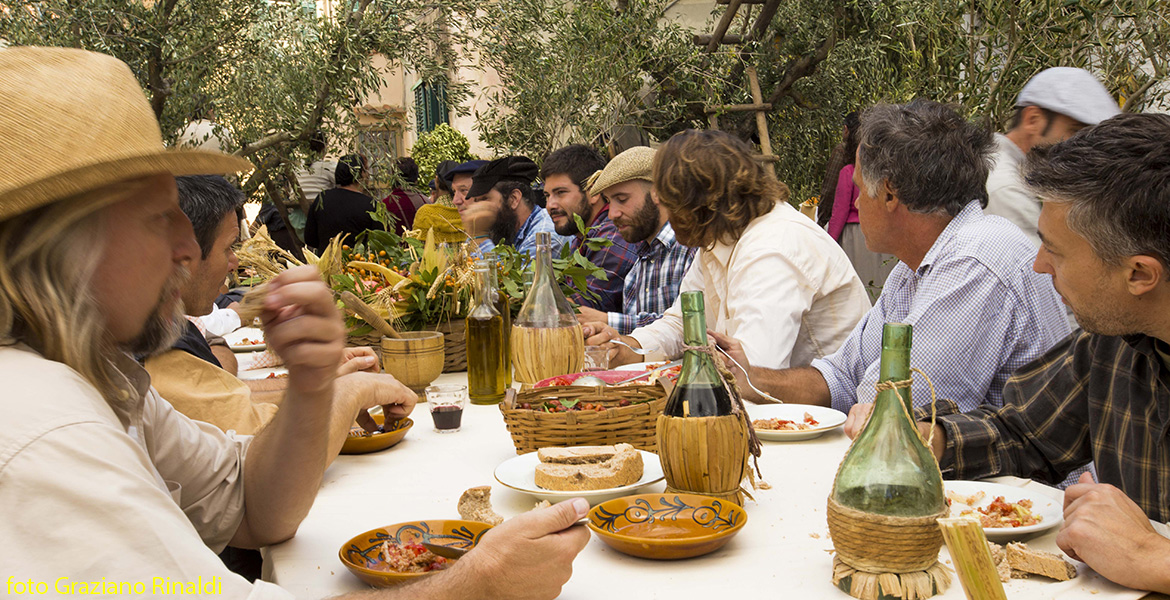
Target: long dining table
784,550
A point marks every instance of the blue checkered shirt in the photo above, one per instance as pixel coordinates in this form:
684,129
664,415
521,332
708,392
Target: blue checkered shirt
654,282
979,313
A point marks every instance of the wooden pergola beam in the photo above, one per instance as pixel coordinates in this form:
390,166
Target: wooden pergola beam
724,23
737,108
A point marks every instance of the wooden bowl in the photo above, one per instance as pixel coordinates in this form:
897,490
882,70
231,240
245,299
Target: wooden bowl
666,526
362,554
416,360
379,441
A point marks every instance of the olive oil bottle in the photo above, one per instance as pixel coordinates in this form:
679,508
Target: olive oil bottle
486,344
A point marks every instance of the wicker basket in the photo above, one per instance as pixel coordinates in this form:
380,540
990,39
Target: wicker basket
455,345
632,424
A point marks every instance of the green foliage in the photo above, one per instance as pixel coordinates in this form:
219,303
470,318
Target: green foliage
580,71
271,72
440,144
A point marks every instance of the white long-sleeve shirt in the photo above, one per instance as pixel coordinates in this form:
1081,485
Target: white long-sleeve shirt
785,290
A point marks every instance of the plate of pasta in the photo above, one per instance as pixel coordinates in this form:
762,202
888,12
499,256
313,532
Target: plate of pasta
1006,512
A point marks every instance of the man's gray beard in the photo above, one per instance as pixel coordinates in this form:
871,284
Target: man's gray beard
159,334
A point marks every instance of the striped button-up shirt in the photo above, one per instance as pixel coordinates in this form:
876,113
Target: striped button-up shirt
978,310
653,284
1092,397
616,259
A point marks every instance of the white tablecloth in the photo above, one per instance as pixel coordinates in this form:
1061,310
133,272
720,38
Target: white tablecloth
783,551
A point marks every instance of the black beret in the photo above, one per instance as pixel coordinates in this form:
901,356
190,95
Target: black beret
509,168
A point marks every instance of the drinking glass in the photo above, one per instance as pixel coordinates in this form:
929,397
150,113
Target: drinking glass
446,403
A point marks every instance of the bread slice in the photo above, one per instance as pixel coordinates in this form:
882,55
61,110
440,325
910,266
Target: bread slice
476,505
624,468
579,455
1039,562
999,557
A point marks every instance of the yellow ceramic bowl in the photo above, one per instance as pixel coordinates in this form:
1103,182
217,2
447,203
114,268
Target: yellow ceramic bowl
666,526
362,554
379,441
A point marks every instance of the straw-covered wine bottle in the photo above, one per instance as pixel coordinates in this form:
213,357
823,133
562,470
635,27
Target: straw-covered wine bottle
703,442
888,495
546,337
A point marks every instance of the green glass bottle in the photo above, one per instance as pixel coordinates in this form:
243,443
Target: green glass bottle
485,342
888,470
700,391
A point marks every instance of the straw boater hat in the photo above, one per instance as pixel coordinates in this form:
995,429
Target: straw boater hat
76,121
635,163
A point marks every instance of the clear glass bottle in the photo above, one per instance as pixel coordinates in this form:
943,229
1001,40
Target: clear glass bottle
888,469
505,309
546,337
700,391
485,342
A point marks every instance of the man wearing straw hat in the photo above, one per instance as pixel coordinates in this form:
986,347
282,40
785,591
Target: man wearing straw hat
93,252
653,283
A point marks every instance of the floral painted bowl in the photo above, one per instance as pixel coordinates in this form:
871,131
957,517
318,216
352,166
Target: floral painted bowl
362,555
379,441
666,526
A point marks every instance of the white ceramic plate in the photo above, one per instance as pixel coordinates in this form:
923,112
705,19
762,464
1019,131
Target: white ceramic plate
1051,511
262,373
519,473
236,338
828,418
641,367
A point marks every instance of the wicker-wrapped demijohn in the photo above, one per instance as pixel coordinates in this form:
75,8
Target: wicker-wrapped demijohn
704,437
888,495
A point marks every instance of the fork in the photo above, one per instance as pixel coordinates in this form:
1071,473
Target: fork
766,395
638,351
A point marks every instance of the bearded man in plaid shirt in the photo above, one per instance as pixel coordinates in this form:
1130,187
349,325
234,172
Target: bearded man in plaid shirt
653,283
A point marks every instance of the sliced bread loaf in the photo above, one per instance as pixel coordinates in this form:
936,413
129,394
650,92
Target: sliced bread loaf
623,468
579,455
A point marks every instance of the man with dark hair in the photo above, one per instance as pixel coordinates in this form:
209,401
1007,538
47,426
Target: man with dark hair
1103,394
564,173
1053,105
344,209
499,204
655,279
963,280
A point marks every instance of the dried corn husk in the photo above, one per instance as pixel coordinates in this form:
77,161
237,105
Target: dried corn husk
972,558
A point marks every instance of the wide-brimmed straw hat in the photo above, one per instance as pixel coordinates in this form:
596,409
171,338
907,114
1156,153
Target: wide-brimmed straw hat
74,121
634,163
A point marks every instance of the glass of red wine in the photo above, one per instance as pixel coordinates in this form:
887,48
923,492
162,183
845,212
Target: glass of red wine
446,404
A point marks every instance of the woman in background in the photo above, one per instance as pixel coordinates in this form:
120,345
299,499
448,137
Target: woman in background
844,225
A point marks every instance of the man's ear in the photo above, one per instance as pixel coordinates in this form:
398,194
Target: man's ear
1033,121
889,197
515,198
1144,274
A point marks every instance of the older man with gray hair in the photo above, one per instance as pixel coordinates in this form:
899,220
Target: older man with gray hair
964,280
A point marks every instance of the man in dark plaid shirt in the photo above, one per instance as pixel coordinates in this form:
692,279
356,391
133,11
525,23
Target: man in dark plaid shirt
1102,395
564,173
655,281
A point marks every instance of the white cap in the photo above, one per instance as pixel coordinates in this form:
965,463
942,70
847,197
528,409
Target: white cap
1072,92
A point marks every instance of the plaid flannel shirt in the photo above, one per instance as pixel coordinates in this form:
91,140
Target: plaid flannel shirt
616,259
654,282
1091,398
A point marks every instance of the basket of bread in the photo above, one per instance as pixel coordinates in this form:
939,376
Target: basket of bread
567,415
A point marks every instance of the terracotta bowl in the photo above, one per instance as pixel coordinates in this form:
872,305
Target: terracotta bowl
362,554
666,526
416,360
376,442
